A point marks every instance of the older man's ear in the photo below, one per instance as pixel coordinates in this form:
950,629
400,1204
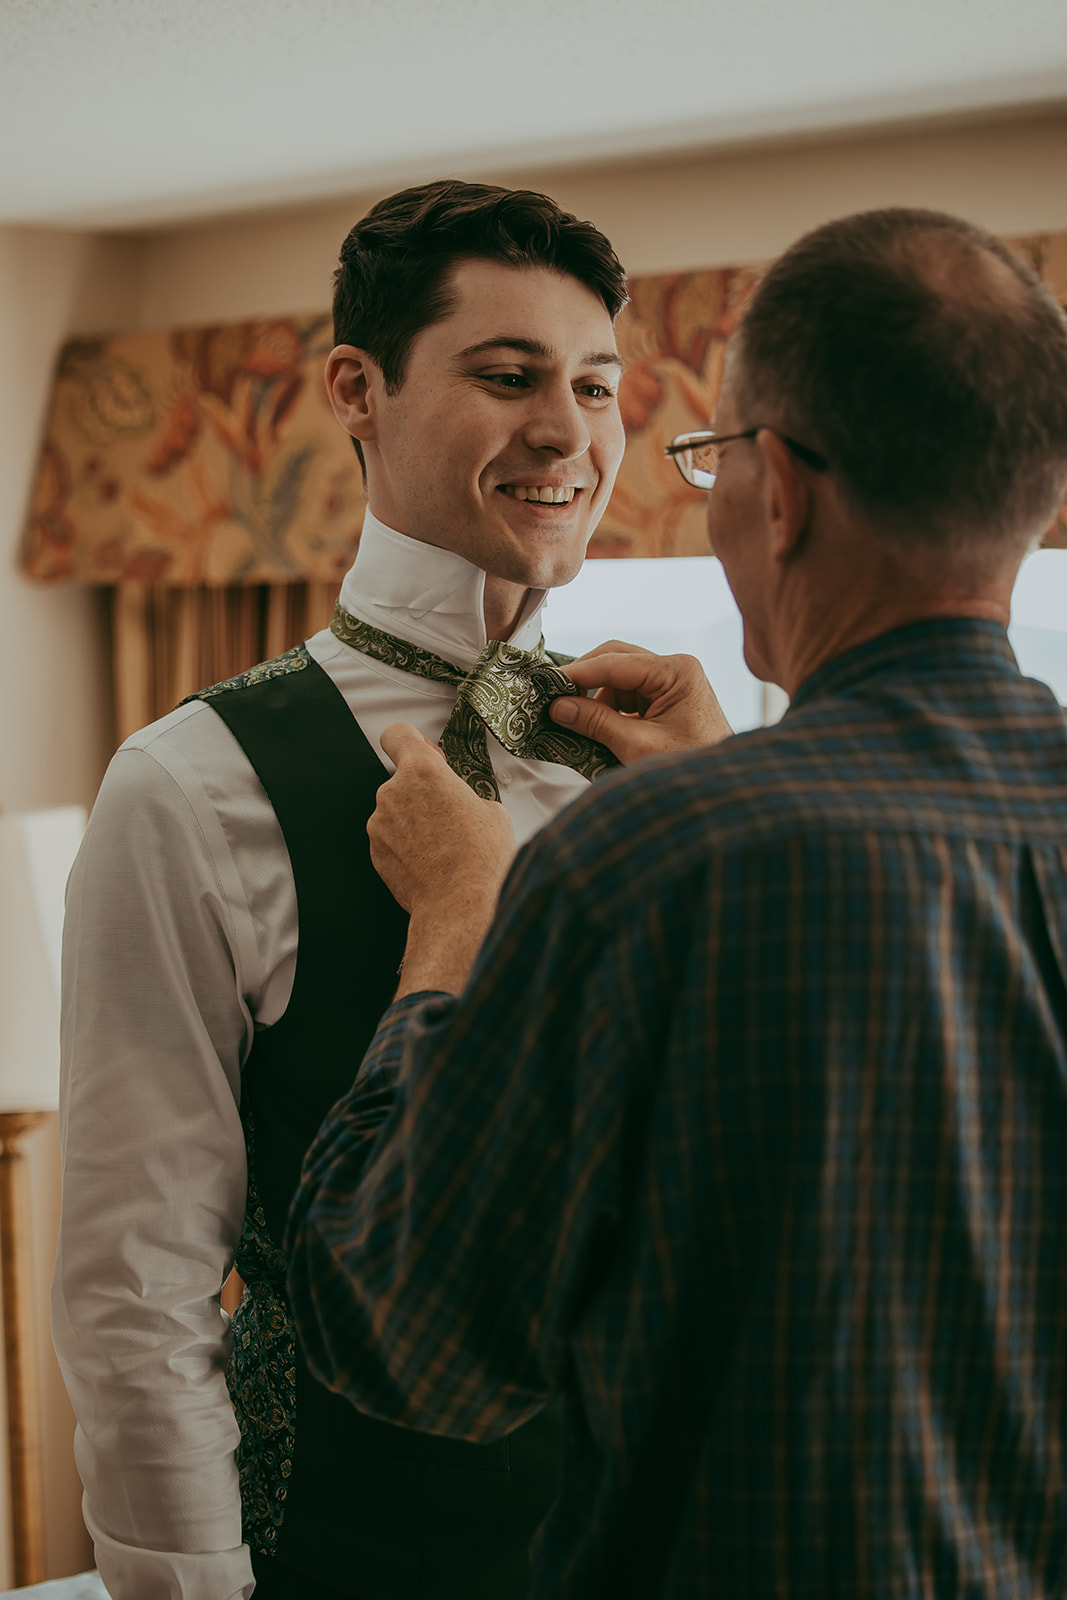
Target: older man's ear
787,495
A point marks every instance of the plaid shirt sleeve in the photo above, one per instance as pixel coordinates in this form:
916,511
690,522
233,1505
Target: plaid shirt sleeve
419,1288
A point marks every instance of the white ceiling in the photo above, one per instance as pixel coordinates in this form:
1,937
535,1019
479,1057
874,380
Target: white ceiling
124,113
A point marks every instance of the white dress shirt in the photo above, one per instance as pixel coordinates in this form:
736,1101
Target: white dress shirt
180,942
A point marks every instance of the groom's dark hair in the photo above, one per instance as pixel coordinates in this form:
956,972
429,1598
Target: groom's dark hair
395,271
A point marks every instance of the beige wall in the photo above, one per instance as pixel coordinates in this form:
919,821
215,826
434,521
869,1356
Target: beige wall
53,717
697,212
54,722
664,215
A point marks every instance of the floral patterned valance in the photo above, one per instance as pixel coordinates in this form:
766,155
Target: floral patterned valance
211,455
203,456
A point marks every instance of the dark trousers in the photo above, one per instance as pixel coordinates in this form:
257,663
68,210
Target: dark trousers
274,1581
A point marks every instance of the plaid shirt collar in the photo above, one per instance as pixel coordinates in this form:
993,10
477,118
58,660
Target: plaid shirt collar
922,649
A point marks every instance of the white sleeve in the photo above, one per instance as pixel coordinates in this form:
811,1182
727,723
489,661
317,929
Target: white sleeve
155,1028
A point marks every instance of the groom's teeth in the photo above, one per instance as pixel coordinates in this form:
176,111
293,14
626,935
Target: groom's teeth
545,494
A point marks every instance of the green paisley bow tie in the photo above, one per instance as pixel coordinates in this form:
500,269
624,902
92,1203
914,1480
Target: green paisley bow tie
507,692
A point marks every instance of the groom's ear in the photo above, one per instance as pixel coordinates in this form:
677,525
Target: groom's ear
353,382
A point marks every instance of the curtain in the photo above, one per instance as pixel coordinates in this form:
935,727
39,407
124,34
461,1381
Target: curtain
210,456
168,643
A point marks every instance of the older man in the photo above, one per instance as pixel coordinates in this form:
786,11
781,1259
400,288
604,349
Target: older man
770,1038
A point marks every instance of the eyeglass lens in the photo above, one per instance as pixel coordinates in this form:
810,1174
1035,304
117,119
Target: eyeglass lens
699,464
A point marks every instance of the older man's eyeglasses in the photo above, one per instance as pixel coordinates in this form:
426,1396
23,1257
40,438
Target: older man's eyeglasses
696,455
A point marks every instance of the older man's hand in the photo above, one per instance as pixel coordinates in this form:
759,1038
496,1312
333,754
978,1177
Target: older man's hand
443,853
646,705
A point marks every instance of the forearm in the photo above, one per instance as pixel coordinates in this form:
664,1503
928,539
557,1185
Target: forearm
408,1241
444,854
324,1298
141,1572
144,1367
142,1346
365,1270
443,942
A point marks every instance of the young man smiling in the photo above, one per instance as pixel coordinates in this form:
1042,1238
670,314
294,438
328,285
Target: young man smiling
476,370
503,437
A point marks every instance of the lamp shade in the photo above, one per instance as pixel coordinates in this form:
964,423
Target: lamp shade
37,850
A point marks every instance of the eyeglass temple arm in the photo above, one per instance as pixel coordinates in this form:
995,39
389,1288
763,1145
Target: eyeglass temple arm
810,457
677,449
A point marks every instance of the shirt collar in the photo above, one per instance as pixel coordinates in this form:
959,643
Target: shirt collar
427,596
931,648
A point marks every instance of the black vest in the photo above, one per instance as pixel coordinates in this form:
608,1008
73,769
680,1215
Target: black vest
376,1510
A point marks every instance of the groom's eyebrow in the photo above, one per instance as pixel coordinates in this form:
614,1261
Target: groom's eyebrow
541,351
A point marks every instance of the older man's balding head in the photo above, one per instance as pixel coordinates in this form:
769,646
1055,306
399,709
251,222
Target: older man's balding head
929,365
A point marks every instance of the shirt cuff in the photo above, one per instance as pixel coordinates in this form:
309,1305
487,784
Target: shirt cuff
384,1052
132,1573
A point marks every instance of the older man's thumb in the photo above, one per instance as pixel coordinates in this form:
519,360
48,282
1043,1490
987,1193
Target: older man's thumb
626,737
580,714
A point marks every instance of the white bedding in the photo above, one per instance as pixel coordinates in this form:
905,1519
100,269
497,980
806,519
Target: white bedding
86,1586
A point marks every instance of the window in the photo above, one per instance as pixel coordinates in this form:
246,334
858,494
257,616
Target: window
679,605
1038,631
685,604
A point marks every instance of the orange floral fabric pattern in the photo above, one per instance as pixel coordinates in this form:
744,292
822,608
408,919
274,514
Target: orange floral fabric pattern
672,337
203,456
211,455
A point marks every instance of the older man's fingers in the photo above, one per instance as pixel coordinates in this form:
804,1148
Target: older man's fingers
400,739
611,647
646,703
629,670
596,719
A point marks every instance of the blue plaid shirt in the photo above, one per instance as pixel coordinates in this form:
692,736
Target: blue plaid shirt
749,1134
